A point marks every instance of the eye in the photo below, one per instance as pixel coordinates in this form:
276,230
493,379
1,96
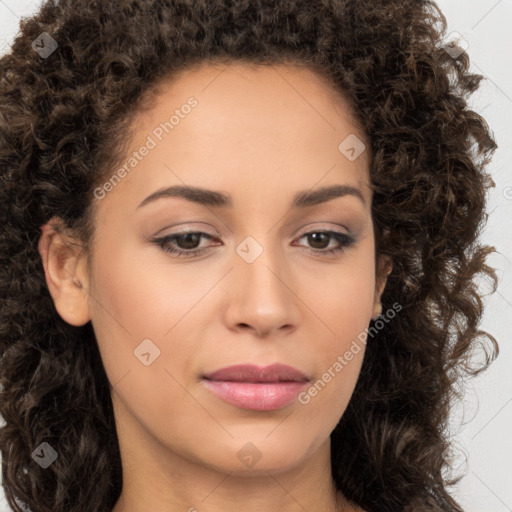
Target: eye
187,243
319,237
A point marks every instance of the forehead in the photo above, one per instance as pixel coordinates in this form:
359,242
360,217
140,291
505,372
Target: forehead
266,129
250,88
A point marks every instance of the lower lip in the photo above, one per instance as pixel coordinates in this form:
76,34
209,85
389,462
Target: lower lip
256,396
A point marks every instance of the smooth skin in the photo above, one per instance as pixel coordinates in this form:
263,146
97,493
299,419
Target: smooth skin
260,134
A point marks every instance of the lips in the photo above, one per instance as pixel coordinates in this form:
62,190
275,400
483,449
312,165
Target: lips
247,386
256,374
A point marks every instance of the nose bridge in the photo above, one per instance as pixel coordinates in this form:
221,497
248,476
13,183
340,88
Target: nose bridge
262,296
259,262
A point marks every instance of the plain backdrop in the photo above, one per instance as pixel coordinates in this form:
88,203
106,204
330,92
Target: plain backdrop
481,423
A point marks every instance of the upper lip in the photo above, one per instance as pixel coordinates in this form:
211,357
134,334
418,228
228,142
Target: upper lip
252,373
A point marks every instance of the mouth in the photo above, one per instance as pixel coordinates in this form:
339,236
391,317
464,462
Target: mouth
257,388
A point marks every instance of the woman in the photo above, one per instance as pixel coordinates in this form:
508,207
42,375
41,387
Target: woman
239,255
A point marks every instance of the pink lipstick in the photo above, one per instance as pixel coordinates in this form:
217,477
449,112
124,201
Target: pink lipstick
257,388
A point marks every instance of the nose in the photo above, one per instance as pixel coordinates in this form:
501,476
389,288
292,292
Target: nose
262,295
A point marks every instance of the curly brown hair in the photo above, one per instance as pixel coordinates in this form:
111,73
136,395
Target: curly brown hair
64,122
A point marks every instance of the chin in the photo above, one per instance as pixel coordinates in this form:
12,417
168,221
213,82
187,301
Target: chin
258,455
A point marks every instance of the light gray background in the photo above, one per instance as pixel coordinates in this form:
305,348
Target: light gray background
481,426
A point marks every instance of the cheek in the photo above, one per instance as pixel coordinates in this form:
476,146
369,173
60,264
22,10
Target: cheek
346,316
132,302
136,296
344,305
344,295
136,302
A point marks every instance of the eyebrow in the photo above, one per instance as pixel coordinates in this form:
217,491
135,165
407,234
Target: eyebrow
221,200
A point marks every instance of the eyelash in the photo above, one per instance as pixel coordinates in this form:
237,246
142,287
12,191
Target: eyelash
344,240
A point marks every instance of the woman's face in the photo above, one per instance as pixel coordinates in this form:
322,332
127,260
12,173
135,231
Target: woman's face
259,287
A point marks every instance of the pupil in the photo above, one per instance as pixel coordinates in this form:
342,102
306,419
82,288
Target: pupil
187,238
315,236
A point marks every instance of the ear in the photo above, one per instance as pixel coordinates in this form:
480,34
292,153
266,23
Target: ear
65,271
384,268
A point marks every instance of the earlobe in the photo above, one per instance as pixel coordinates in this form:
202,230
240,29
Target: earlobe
377,310
65,272
384,269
